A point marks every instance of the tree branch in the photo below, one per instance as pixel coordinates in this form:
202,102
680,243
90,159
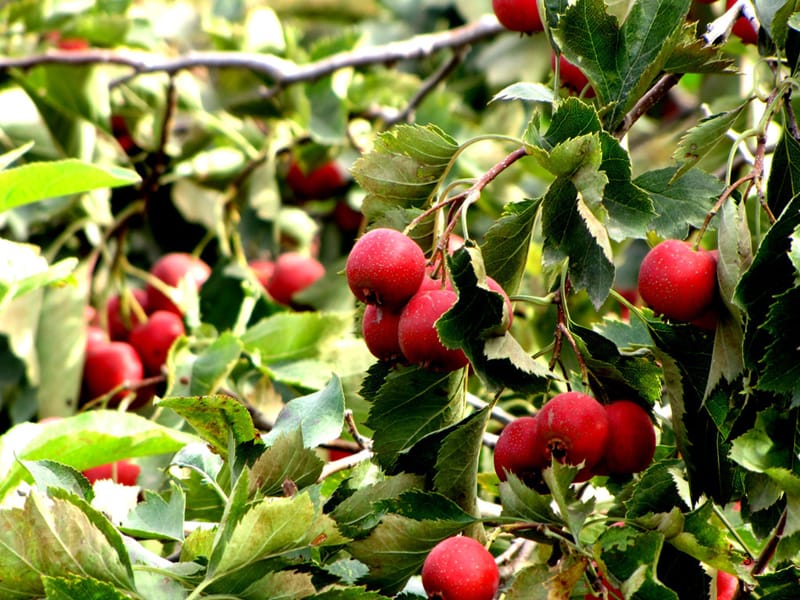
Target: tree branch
280,71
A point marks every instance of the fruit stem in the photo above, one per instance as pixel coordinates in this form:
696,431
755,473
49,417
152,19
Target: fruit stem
729,526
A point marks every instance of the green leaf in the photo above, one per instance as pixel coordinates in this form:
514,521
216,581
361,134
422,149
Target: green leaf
680,202
319,415
25,270
572,232
290,336
279,585
621,62
204,373
693,55
73,587
572,509
522,502
410,403
40,180
8,158
288,458
477,324
352,593
527,92
506,243
403,168
280,526
396,549
328,112
658,491
631,557
703,537
49,473
57,537
85,440
784,175
703,138
217,419
363,510
158,516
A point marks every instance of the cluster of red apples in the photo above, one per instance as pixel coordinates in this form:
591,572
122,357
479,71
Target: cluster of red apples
575,429
138,333
679,282
388,272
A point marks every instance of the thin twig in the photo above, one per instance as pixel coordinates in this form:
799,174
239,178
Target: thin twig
280,71
648,101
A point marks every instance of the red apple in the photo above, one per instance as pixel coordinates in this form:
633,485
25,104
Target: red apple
171,269
293,272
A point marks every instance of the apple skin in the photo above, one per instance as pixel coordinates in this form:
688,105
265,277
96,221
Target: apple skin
172,268
631,439
379,329
518,15
126,472
416,332
293,272
119,326
109,366
726,585
518,450
460,568
153,339
677,281
573,429
322,182
385,267
263,269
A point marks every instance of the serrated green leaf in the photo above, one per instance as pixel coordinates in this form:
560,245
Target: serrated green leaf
56,537
158,516
289,336
49,473
217,419
279,585
288,458
703,537
359,513
784,176
426,506
351,593
40,180
506,243
527,92
410,403
477,324
570,233
679,202
703,138
693,55
276,527
82,441
620,62
319,415
522,502
657,491
396,549
74,587
572,509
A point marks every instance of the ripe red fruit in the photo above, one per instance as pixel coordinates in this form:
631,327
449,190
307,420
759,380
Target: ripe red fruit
518,15
573,428
726,585
293,272
416,332
153,339
570,76
173,268
518,450
263,270
460,568
385,267
123,472
109,366
95,337
379,328
321,182
121,319
677,281
631,439
743,28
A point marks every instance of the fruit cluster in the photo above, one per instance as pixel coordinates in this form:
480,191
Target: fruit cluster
139,333
680,282
574,428
388,271
288,274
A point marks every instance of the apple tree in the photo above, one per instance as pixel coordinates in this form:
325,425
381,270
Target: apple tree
294,293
